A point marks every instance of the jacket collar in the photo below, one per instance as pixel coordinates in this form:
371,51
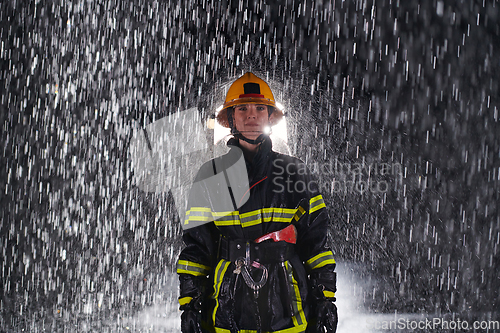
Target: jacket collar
258,166
264,148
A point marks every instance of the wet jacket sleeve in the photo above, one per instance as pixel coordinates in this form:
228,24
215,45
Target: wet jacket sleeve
201,239
196,261
312,228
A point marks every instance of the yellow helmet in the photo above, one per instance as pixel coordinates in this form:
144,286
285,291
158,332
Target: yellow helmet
249,89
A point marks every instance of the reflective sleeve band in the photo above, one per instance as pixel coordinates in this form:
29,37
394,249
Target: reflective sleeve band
193,268
184,300
328,294
320,260
316,203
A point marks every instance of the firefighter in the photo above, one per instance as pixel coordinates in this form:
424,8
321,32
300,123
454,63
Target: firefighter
255,261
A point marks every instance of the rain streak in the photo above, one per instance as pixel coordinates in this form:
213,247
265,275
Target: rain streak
394,103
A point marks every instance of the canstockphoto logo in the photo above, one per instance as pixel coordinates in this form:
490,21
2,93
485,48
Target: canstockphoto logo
336,177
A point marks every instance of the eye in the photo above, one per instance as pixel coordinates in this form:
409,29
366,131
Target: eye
261,108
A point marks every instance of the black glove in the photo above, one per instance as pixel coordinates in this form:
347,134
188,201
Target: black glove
191,316
326,317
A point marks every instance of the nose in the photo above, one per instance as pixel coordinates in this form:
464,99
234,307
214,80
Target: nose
252,111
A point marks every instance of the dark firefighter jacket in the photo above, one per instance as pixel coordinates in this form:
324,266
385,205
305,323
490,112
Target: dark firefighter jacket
282,192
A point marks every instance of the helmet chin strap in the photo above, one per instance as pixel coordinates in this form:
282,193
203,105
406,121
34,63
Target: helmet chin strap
259,139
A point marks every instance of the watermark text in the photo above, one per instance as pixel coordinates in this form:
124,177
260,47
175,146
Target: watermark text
435,323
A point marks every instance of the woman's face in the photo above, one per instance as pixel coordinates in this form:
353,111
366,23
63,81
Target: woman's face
251,119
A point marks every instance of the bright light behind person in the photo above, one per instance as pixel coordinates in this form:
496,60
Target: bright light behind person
278,131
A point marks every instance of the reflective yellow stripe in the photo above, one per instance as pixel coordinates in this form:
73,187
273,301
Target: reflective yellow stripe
298,317
296,329
320,260
185,300
220,270
299,212
227,213
316,203
198,214
227,223
250,213
197,218
316,208
254,217
194,264
328,294
267,215
319,197
227,218
193,268
251,223
224,219
248,219
185,271
198,209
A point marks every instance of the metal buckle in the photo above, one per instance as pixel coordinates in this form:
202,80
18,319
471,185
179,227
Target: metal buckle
242,266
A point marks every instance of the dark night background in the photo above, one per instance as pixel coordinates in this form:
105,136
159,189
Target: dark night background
414,83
